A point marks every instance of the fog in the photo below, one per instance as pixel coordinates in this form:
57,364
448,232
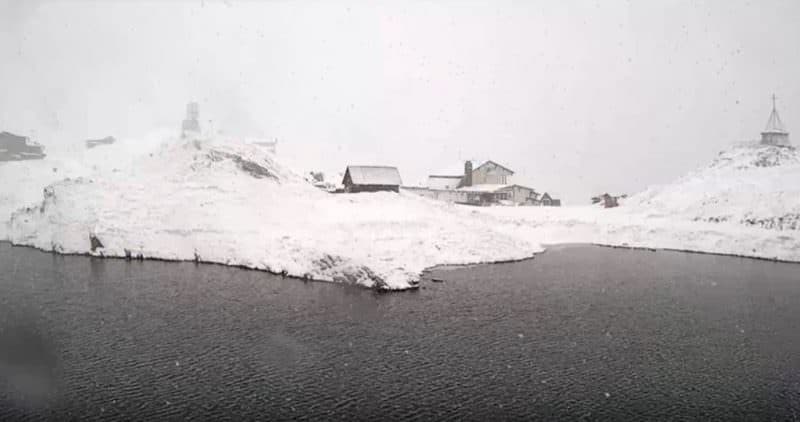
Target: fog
578,98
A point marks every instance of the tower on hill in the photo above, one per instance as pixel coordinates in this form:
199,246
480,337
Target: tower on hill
191,124
775,133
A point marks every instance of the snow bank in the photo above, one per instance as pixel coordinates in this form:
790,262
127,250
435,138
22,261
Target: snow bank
745,203
233,204
750,186
23,182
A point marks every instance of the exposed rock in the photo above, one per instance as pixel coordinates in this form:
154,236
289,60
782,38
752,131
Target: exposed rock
250,167
95,243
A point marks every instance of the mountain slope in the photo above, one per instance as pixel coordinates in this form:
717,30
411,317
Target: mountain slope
752,186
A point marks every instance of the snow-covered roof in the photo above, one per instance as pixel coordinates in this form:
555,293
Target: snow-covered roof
488,187
446,177
495,163
374,175
10,137
520,186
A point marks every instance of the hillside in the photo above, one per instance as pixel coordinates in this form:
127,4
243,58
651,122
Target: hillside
752,186
746,203
234,204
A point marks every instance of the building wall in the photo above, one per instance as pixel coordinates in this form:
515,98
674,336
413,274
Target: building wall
520,194
350,188
780,139
491,173
439,194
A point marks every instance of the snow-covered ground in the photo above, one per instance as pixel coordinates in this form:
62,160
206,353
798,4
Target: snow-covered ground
233,203
747,203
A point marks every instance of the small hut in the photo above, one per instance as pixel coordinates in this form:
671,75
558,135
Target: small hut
548,201
371,179
14,147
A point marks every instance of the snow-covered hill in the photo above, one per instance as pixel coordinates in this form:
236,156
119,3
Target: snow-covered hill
752,186
746,203
233,203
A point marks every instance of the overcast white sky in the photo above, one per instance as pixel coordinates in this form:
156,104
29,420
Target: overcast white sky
579,97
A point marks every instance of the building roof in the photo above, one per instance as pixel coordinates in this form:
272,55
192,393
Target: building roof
374,175
518,186
774,124
11,136
457,169
486,187
10,140
445,177
498,165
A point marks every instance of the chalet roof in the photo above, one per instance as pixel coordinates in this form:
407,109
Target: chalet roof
457,169
518,186
374,175
498,165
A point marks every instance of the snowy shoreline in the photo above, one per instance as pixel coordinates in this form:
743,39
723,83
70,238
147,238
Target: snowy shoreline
233,204
422,275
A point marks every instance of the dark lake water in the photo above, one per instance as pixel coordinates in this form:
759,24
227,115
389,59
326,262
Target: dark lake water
578,333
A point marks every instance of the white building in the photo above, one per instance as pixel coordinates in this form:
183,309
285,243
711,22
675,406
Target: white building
487,183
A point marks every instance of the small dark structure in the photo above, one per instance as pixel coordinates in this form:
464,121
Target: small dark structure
608,201
548,201
17,148
371,179
108,140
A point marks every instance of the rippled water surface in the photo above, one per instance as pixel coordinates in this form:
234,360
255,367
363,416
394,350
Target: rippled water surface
579,332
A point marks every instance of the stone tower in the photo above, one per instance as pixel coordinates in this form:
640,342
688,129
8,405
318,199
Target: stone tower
775,133
190,123
467,180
